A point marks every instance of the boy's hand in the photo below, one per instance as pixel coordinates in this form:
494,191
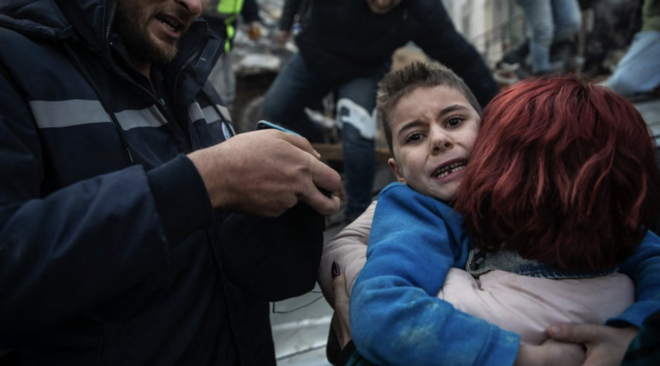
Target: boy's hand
605,345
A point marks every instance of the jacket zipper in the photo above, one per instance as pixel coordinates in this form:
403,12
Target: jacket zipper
178,75
160,104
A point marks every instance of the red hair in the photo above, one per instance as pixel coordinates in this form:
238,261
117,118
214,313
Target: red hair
563,172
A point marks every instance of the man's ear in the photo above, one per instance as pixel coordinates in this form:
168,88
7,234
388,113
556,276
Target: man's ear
396,170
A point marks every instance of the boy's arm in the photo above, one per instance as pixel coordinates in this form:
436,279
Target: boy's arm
395,317
644,269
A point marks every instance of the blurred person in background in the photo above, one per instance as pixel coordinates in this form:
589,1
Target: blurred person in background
293,11
346,48
638,72
222,17
552,25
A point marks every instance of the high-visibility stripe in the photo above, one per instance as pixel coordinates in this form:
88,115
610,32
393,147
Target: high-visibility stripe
76,112
211,113
68,113
229,10
229,7
224,111
134,118
195,112
230,36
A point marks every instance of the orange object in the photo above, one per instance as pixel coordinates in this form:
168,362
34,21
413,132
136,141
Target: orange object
254,32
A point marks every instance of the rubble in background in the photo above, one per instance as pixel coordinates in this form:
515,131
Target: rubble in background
257,63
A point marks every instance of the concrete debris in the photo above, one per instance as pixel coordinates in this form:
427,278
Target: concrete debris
263,55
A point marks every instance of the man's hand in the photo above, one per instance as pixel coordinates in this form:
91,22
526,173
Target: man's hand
266,173
605,345
550,353
281,37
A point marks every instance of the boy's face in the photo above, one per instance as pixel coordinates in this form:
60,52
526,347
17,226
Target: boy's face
433,133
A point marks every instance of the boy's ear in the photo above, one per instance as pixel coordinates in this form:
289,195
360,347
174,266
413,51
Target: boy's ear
396,170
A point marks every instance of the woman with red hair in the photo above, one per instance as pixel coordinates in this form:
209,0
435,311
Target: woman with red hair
560,188
563,172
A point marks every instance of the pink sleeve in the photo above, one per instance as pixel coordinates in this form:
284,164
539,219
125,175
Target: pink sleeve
349,250
529,305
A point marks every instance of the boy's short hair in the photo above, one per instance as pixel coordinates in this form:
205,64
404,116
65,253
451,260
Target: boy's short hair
400,83
564,172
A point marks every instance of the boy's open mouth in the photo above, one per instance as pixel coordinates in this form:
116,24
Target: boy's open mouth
447,169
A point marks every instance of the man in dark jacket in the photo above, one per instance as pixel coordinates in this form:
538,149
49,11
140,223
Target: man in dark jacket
346,46
135,228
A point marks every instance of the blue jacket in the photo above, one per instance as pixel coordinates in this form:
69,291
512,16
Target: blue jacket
110,252
396,318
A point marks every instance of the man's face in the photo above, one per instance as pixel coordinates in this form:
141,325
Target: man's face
433,133
382,6
151,29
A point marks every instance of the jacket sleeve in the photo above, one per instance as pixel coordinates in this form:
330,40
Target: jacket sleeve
644,269
396,318
272,259
440,40
289,11
349,250
72,249
250,11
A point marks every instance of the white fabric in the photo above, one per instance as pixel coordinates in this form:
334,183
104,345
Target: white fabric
528,305
349,250
358,117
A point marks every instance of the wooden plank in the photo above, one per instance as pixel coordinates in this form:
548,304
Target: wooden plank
333,152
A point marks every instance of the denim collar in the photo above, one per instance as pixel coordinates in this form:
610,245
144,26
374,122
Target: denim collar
480,262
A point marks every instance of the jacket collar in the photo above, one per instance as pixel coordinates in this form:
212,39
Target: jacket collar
35,18
90,22
87,21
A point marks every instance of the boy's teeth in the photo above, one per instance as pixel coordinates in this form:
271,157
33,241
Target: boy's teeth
455,167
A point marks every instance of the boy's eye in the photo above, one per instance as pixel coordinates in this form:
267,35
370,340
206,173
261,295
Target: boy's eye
414,137
454,121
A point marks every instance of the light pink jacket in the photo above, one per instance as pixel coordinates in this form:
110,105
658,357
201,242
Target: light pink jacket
521,304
